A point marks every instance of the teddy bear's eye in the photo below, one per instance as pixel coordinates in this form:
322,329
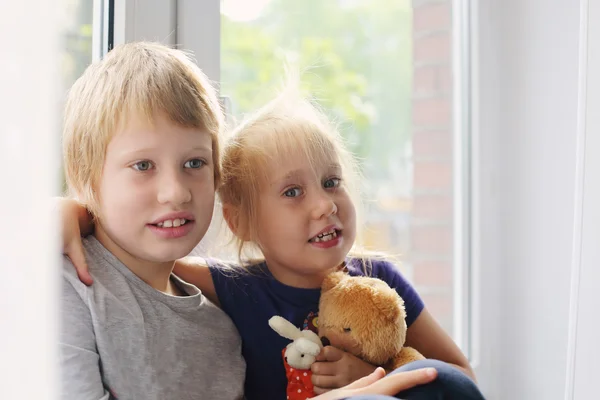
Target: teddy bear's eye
302,355
347,330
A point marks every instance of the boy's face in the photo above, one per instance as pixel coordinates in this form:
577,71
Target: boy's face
157,192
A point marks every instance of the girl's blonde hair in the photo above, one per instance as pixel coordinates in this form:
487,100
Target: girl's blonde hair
140,79
288,125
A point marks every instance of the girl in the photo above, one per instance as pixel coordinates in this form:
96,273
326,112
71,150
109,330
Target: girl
286,192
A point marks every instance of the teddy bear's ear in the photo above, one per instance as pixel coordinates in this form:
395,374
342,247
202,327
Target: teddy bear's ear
392,310
332,280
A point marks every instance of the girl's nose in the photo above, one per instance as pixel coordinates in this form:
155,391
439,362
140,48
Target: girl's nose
324,207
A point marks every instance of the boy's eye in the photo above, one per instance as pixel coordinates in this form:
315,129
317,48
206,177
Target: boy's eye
194,163
293,192
142,166
331,183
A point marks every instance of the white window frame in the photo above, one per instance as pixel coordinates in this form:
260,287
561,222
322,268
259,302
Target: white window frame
187,24
150,20
584,326
464,269
101,28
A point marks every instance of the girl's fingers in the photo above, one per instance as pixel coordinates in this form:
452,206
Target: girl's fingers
75,253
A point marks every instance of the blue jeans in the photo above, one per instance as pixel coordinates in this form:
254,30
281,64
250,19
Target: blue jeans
450,384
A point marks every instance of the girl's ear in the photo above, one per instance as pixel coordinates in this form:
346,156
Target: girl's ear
231,215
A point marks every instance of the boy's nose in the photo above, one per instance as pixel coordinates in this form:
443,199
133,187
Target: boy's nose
173,191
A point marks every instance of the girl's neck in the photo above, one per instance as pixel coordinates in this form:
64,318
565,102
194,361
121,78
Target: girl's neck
156,275
298,279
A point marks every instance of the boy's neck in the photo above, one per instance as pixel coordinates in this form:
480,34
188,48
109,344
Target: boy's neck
156,275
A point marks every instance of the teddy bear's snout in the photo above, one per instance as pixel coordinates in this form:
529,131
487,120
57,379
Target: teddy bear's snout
325,341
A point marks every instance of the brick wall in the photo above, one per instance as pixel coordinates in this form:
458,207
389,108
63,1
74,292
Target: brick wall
431,224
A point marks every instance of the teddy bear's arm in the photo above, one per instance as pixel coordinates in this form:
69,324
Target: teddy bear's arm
406,355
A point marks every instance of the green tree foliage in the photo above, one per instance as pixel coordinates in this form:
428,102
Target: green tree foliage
356,58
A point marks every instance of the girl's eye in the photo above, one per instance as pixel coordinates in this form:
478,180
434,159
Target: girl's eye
142,166
194,163
293,192
331,183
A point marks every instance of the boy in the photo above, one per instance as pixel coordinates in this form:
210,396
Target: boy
141,152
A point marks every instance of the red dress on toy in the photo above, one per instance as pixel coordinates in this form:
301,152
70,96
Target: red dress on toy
300,386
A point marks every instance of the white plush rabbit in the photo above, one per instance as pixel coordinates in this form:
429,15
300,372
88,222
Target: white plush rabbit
305,347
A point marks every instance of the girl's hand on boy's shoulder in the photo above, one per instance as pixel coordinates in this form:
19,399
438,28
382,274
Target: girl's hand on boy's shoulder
72,214
336,368
378,383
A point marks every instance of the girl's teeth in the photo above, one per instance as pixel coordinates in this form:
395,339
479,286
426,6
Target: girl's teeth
324,237
326,233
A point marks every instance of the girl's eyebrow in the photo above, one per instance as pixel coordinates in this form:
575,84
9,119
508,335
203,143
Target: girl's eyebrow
291,175
298,174
335,167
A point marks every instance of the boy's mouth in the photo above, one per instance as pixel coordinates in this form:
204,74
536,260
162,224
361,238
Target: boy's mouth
174,225
326,236
173,220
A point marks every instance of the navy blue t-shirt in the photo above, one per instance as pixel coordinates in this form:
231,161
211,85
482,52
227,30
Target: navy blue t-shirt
251,299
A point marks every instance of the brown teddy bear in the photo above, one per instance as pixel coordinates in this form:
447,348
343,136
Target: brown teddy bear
365,317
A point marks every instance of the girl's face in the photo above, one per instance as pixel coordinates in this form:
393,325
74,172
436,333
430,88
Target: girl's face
306,220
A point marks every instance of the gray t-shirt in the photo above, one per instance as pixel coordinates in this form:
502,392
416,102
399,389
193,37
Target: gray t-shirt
122,339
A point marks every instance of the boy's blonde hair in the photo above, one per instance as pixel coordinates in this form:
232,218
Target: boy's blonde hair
140,79
287,125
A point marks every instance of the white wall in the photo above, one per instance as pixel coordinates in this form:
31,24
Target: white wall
29,172
528,75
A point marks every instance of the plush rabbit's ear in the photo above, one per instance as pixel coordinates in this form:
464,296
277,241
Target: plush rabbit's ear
284,327
306,346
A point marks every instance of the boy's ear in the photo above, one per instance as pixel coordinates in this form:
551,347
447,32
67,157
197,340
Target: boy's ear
231,215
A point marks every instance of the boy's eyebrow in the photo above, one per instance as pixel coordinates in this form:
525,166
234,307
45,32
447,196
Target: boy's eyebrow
202,148
151,149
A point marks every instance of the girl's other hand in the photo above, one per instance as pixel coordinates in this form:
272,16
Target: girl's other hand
377,384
